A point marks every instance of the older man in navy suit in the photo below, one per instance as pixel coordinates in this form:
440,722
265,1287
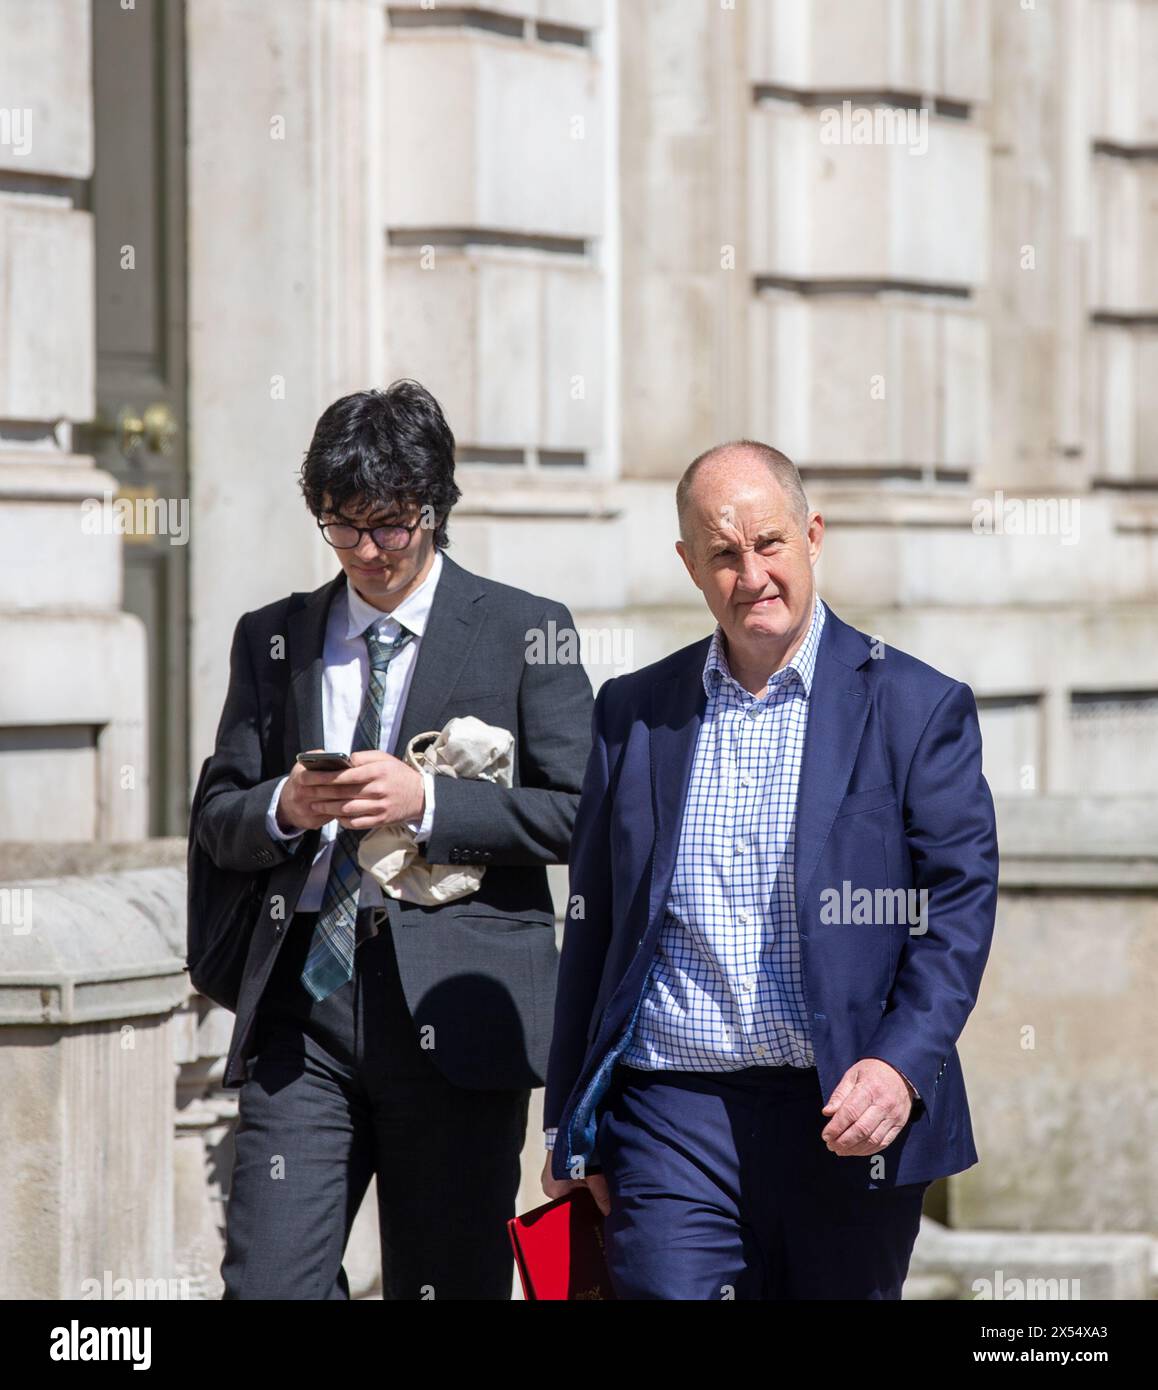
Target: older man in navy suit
783,887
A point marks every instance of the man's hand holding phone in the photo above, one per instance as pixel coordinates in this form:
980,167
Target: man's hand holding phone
375,788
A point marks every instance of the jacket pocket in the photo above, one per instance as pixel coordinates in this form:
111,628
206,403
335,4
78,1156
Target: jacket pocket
870,799
497,923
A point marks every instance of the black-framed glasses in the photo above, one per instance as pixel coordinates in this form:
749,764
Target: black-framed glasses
344,536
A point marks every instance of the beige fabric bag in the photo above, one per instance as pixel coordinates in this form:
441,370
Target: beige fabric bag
466,747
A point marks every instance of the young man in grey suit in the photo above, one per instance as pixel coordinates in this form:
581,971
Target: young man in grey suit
377,1036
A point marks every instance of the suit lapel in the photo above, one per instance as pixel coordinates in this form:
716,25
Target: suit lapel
837,710
677,711
307,641
452,631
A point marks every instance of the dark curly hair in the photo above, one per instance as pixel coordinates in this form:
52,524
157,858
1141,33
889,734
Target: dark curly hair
391,446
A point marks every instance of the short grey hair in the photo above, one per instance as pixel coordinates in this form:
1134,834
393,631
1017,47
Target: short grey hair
783,470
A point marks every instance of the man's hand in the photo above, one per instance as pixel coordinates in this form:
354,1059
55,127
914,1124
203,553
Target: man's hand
379,789
869,1108
556,1187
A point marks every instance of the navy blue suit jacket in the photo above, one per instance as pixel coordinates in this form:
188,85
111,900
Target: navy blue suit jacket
891,796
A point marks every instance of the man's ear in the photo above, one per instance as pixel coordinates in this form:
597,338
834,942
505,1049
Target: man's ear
682,552
815,536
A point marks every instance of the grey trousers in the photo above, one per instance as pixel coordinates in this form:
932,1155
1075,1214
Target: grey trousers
341,1089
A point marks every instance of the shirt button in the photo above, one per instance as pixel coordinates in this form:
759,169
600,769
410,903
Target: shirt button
741,846
744,916
747,780
760,1050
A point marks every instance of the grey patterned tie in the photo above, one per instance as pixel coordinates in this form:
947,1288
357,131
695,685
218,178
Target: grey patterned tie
330,962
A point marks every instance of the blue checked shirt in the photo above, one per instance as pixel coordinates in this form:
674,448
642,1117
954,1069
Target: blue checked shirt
725,990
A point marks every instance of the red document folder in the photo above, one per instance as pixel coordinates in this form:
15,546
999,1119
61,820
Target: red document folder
559,1249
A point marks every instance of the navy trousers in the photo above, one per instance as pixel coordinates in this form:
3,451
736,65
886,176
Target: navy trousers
721,1188
341,1089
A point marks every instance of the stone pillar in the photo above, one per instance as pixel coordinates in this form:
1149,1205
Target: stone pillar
89,979
285,312
203,1144
72,702
1059,1055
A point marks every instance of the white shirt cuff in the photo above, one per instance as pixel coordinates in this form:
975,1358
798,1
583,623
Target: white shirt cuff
421,829
271,825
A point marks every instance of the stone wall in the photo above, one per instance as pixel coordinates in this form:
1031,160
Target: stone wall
72,699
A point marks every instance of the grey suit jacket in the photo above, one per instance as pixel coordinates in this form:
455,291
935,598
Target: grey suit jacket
478,973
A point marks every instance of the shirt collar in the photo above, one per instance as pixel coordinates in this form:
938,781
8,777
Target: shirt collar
803,661
411,613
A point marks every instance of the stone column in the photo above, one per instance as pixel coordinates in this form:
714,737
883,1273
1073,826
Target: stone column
88,983
285,259
72,702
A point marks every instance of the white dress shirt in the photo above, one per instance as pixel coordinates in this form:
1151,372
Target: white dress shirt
347,669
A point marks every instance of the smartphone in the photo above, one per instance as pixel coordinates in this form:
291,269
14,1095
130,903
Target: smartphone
325,762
